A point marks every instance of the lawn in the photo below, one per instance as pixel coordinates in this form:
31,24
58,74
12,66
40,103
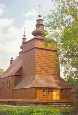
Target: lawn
34,110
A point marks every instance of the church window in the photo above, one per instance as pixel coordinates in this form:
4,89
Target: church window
46,92
56,94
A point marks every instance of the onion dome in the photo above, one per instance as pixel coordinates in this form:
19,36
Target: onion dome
39,27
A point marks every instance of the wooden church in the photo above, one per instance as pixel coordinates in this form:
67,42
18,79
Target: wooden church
34,76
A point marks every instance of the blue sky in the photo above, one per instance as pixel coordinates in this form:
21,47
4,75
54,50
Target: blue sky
14,16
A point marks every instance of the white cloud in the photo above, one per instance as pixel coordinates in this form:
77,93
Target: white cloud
5,22
9,41
2,9
10,38
29,23
30,26
30,14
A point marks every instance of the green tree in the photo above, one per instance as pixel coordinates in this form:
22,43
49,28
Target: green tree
70,42
64,22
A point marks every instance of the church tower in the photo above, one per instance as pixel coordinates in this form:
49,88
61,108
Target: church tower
39,59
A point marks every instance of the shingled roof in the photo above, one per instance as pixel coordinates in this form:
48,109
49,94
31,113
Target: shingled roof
13,68
47,81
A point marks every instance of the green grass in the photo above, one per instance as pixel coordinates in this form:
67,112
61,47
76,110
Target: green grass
33,110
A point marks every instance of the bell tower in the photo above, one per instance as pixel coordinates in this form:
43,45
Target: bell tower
39,60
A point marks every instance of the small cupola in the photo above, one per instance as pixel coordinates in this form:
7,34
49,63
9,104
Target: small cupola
11,60
39,27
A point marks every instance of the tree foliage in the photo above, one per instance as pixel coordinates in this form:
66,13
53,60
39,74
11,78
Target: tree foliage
65,20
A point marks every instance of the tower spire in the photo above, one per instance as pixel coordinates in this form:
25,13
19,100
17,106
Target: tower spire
24,37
